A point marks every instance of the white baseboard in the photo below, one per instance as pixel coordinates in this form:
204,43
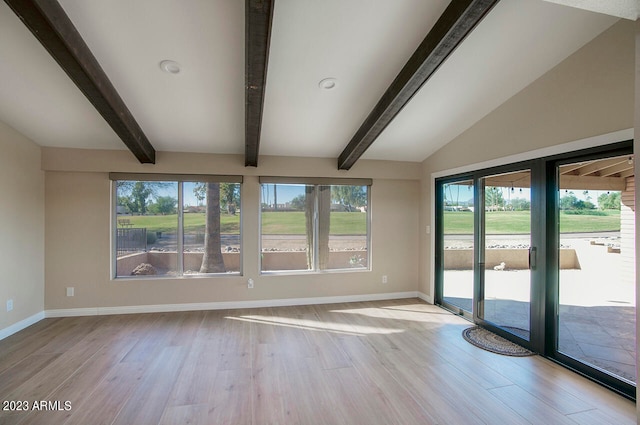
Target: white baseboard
17,327
426,298
227,305
72,312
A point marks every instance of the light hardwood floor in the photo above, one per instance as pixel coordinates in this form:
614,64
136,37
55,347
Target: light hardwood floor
386,362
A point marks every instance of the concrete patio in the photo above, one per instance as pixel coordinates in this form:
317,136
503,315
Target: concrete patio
597,306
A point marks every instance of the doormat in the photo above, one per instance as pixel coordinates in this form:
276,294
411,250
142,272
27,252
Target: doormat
489,341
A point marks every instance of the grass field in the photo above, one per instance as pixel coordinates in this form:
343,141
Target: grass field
273,223
293,223
517,222
193,222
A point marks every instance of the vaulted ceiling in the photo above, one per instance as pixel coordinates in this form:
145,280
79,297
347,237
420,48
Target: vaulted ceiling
250,72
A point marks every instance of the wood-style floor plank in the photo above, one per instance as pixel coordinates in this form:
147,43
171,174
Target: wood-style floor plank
81,384
230,398
109,397
13,348
381,375
24,370
147,403
383,362
530,407
193,414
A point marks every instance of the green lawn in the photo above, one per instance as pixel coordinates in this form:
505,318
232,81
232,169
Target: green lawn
293,223
193,222
515,222
273,223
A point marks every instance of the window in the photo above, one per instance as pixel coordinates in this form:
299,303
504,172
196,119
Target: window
176,225
309,224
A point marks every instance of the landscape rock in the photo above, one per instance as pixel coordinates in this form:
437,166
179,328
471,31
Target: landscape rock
144,269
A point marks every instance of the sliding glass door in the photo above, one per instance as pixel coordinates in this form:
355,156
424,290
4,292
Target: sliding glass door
543,253
595,329
506,255
458,245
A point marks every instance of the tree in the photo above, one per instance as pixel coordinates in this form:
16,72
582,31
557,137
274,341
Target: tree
568,201
349,196
139,196
200,192
136,195
609,201
164,205
212,260
230,197
520,204
571,202
324,221
125,202
493,197
309,200
298,202
449,200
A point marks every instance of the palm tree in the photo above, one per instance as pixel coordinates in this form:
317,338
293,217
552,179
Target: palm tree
324,208
212,261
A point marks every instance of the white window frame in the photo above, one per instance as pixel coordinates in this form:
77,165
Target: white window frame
180,179
318,181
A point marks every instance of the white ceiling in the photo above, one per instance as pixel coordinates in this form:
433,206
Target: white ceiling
361,43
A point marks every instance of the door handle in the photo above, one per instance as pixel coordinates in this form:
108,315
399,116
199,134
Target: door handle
533,260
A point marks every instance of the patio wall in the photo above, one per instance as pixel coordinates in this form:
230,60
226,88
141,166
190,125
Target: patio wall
276,260
515,259
167,261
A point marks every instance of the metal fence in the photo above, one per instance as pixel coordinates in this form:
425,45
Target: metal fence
131,239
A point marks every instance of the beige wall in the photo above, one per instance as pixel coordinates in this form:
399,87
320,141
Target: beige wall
588,94
21,227
78,232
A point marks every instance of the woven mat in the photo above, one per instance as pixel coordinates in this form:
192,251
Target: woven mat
489,341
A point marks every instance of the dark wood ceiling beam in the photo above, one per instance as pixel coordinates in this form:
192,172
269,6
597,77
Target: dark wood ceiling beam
258,21
49,23
457,21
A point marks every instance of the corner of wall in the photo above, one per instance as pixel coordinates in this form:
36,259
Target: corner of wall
22,228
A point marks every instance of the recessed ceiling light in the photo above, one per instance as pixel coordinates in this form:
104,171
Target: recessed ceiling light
328,83
169,66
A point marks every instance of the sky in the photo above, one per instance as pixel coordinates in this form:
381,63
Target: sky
285,193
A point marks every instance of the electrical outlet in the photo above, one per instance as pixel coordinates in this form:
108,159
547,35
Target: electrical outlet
384,279
9,305
250,283
70,291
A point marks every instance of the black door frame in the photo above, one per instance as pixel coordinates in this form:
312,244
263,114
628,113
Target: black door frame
535,342
553,279
545,238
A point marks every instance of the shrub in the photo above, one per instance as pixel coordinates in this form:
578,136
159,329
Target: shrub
151,238
584,212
